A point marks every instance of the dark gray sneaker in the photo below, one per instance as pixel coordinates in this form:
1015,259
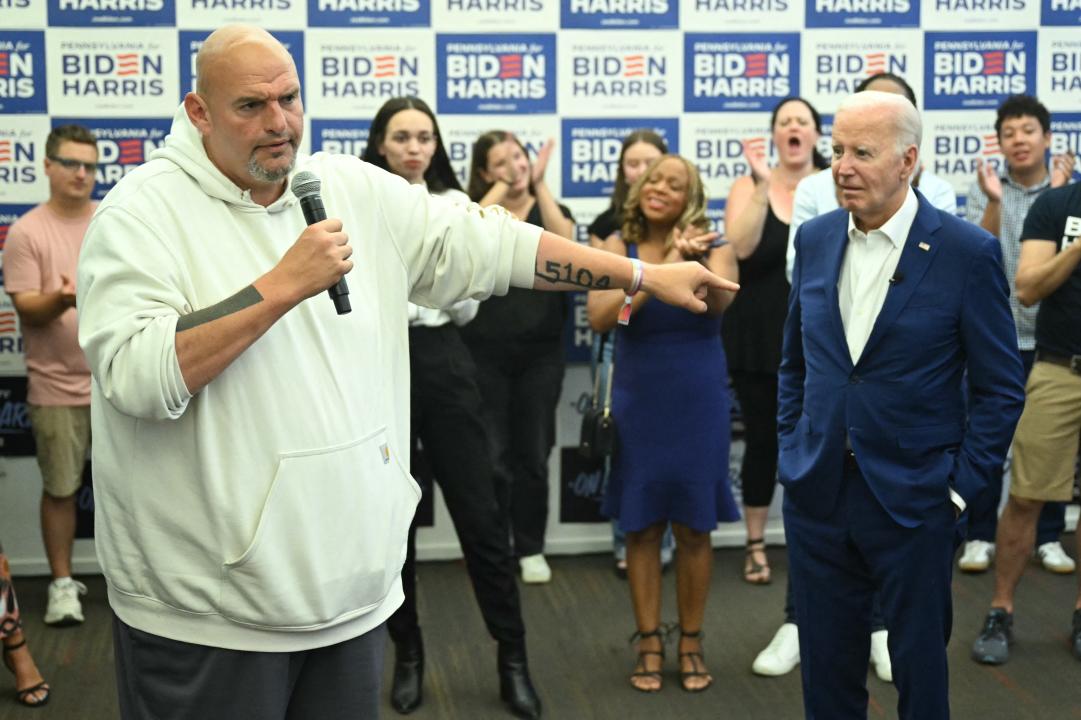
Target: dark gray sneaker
992,647
1076,634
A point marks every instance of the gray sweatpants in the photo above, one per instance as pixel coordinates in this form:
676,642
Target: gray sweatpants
161,679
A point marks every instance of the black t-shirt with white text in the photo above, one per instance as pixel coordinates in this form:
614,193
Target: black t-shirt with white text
1056,216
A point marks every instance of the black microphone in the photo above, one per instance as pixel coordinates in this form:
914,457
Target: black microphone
306,188
897,278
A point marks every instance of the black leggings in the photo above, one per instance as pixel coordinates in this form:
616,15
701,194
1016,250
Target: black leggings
757,393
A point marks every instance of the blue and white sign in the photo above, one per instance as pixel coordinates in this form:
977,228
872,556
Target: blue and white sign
22,72
369,13
732,15
863,13
977,70
1060,12
350,75
591,148
111,13
22,158
277,14
619,73
1059,70
496,73
95,73
745,71
716,149
835,62
957,142
340,137
619,14
123,145
1066,137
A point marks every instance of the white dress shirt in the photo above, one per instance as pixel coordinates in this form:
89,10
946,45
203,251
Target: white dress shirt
460,312
816,195
870,262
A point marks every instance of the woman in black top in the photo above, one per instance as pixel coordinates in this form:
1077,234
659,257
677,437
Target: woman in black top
446,416
517,344
756,225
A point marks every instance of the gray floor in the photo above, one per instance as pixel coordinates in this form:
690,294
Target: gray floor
578,628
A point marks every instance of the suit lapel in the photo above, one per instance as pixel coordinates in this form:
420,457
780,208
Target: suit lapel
916,256
833,257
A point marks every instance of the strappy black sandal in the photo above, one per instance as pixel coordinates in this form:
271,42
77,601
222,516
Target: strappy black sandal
640,670
754,572
26,696
698,664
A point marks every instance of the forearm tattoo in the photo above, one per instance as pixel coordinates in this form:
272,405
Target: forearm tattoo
245,298
555,272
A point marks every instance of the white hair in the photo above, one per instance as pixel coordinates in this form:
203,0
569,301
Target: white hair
907,126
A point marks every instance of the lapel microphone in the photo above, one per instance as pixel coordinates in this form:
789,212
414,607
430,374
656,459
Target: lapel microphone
897,278
306,187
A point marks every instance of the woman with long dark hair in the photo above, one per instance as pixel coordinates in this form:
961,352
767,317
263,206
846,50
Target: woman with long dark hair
670,405
517,343
446,414
756,225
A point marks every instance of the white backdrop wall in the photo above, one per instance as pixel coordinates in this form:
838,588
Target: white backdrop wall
706,73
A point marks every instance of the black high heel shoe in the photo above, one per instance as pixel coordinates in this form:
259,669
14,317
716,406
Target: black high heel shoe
25,696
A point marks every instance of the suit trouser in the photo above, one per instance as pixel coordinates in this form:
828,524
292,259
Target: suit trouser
447,417
520,383
162,679
837,563
983,512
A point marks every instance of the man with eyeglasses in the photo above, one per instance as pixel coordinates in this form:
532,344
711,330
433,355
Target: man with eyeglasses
39,273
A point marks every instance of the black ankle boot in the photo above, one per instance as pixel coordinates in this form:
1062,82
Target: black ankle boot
405,692
515,687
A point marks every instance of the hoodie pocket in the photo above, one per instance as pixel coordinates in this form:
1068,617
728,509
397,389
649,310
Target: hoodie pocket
330,541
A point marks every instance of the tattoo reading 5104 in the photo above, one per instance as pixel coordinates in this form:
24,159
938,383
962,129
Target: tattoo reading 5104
554,273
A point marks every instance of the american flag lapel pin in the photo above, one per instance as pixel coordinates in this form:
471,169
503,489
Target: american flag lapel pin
924,246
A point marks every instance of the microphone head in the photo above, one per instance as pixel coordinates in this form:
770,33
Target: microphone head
305,184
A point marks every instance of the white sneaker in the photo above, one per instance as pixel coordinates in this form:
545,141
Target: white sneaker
535,570
781,655
880,655
1055,559
64,607
977,556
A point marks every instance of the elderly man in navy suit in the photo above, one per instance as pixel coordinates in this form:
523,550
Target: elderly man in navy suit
892,302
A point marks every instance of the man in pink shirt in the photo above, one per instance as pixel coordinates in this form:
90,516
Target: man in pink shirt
39,273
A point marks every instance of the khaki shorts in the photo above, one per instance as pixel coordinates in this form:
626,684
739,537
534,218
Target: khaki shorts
1046,441
62,434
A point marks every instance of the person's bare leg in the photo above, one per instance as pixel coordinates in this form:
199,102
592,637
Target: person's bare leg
21,663
694,564
58,532
756,528
644,578
1014,542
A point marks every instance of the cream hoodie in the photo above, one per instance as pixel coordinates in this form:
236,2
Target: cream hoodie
269,512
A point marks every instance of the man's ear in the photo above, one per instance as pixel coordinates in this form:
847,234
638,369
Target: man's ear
198,112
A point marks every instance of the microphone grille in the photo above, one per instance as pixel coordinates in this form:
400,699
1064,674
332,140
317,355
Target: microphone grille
305,184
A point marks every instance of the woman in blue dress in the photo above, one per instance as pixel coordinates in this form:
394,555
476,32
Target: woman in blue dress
670,404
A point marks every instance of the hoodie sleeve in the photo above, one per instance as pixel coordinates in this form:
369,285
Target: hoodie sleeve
130,298
453,251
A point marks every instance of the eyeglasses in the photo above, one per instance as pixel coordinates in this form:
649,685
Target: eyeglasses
73,165
422,138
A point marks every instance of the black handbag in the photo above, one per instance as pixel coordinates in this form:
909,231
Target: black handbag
597,439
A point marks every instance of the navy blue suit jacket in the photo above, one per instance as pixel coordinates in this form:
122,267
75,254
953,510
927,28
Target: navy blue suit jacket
901,405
